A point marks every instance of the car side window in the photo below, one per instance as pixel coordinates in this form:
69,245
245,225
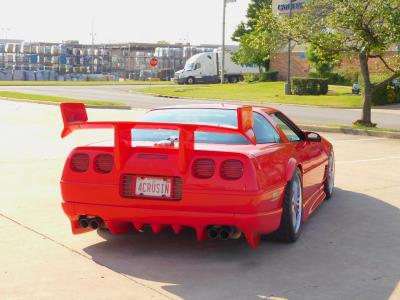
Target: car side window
264,131
292,132
198,66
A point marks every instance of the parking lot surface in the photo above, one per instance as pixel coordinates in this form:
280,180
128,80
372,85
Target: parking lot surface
349,248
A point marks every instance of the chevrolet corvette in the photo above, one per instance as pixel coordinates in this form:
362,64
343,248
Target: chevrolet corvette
224,170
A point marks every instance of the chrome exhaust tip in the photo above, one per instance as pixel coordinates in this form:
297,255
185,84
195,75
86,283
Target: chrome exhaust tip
83,222
225,233
229,233
213,233
95,223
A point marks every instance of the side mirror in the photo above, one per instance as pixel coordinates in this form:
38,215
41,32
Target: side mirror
313,137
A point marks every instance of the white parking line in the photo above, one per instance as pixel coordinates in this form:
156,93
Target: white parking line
366,160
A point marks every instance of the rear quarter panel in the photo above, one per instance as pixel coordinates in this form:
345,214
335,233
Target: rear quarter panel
272,164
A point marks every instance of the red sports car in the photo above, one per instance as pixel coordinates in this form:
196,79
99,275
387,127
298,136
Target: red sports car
223,170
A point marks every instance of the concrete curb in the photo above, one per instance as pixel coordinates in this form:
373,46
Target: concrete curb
58,104
322,128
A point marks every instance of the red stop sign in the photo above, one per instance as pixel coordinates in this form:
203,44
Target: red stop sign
154,62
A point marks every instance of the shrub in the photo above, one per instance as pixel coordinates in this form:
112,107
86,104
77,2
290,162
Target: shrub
269,76
309,86
249,78
386,95
346,79
351,76
323,87
380,96
265,77
339,79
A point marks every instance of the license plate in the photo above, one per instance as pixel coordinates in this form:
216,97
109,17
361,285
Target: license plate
153,187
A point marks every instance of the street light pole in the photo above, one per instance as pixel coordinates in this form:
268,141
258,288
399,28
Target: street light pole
223,39
288,87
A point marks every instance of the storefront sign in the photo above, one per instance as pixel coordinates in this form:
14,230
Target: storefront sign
283,7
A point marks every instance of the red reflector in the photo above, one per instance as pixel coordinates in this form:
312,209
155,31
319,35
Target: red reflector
103,163
231,169
80,162
126,186
203,168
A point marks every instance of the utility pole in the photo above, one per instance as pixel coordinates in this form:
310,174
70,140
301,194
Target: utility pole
4,30
223,39
288,86
93,35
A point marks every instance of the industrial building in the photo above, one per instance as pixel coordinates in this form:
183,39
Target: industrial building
70,60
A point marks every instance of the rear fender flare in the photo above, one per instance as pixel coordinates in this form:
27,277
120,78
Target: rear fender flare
290,169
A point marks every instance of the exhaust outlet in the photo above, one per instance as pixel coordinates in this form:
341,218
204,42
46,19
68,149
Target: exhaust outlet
213,233
225,233
83,222
95,223
229,233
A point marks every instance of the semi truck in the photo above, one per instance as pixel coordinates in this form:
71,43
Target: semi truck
206,68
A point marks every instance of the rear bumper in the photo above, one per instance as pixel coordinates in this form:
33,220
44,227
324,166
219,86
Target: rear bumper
123,219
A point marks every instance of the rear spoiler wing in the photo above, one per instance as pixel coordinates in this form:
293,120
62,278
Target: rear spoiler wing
75,118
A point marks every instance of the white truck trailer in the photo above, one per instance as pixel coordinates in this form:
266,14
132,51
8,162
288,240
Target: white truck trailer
206,68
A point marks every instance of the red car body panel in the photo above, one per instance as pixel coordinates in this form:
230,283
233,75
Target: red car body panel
252,203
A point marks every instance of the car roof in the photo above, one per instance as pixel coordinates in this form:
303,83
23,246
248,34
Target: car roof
217,106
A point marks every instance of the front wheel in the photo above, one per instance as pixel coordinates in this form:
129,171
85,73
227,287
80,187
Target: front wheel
329,183
190,80
292,215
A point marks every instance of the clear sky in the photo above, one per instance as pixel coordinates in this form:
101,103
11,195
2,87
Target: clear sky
196,21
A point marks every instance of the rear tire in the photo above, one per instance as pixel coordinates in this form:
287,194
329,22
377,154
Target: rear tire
292,215
329,184
190,80
233,79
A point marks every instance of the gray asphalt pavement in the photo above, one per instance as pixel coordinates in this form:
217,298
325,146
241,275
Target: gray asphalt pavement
386,118
349,248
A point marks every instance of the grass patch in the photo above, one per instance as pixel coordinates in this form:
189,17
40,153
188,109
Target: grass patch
265,92
46,98
81,83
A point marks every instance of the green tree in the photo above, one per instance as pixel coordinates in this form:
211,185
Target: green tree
323,63
244,34
367,29
266,37
249,53
255,6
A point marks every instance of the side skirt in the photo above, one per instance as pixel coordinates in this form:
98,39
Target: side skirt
313,202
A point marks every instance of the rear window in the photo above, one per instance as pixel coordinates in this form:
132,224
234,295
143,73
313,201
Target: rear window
265,133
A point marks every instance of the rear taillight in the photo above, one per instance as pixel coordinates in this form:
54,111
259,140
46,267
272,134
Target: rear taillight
80,162
231,169
103,163
203,168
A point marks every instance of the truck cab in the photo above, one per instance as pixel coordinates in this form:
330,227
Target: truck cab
200,68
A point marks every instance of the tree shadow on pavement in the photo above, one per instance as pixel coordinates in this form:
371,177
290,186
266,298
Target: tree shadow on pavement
349,249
